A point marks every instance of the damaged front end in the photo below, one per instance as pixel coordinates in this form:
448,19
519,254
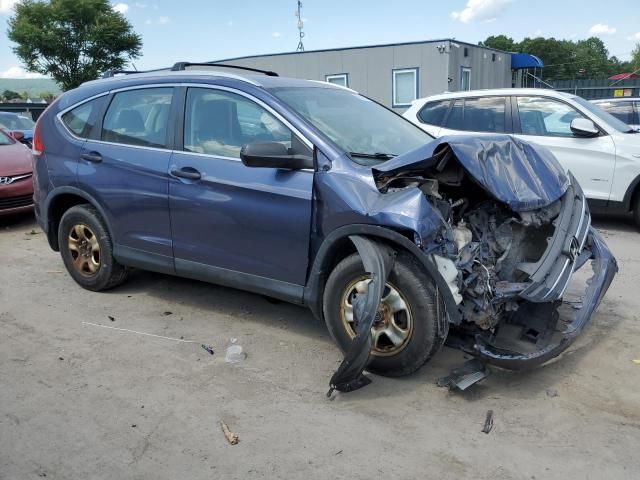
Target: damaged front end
515,229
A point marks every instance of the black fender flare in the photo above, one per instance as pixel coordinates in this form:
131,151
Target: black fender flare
628,195
68,190
314,290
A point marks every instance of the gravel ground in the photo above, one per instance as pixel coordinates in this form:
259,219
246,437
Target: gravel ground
79,401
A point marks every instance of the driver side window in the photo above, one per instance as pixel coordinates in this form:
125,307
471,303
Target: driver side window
546,117
219,123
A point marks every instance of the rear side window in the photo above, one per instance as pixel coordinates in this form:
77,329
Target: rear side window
433,112
482,114
621,110
82,119
138,117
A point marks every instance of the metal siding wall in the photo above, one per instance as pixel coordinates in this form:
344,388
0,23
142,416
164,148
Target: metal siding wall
370,69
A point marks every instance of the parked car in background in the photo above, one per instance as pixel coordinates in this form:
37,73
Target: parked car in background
624,109
19,126
311,193
602,152
16,182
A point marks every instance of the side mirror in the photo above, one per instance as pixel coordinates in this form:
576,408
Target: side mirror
583,127
273,155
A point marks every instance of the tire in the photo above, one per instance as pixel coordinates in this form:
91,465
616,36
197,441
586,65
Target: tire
418,292
83,227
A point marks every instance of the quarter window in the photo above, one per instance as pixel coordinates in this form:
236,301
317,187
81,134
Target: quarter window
80,120
220,123
546,117
405,87
481,114
433,112
138,117
341,79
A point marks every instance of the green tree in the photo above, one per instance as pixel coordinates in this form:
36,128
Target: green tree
72,40
635,57
500,42
10,95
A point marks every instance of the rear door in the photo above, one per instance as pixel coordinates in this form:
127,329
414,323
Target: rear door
234,224
125,169
477,115
547,121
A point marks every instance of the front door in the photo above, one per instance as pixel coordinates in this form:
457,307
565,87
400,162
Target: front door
592,161
231,223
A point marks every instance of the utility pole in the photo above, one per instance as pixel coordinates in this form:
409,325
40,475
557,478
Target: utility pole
300,26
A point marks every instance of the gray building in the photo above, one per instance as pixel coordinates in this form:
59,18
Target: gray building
395,74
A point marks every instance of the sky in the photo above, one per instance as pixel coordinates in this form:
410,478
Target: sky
205,30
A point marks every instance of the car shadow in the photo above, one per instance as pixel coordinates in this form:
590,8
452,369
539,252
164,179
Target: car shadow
19,220
618,221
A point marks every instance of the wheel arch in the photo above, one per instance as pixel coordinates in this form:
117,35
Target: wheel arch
61,200
337,246
633,190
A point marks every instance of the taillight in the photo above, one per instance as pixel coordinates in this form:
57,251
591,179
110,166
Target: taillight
37,145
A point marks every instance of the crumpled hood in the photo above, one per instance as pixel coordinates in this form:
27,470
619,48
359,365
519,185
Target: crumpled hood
522,175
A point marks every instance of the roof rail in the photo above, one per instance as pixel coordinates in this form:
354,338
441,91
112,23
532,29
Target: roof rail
183,66
113,73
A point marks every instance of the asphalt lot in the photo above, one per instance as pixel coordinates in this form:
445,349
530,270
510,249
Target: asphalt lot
82,402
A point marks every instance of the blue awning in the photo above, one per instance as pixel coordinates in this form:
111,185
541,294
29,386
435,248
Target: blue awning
525,60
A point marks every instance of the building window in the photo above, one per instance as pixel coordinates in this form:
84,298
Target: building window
465,79
341,79
405,87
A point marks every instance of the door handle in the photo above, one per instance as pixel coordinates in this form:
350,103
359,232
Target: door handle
188,173
94,157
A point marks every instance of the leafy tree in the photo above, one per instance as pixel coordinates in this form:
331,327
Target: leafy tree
10,95
72,40
500,42
635,56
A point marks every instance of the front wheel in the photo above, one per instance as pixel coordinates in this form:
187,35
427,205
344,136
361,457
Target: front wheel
405,331
87,249
636,209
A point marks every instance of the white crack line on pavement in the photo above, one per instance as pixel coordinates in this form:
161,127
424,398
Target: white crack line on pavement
141,333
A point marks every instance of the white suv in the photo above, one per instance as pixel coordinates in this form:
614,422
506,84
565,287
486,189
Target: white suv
602,152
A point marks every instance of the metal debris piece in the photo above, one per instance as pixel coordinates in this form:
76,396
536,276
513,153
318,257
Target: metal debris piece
488,422
113,319
208,348
378,261
471,371
552,392
231,437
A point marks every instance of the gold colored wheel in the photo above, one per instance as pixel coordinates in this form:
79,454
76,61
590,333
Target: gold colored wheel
84,249
393,325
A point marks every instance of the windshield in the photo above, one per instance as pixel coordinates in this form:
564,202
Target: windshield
368,132
618,125
16,122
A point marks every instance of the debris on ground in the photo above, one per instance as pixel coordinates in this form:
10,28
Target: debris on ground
636,361
60,358
167,313
461,378
231,437
33,232
208,348
133,425
552,392
234,353
113,319
488,422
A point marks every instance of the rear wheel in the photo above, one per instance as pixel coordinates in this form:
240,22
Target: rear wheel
405,331
636,209
87,249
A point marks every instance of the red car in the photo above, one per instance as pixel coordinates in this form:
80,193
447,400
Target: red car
16,176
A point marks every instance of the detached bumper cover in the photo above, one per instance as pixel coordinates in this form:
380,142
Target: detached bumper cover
604,267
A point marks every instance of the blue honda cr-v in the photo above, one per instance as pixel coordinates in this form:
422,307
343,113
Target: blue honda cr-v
314,194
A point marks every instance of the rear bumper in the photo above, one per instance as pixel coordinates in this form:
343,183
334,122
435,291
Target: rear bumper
604,267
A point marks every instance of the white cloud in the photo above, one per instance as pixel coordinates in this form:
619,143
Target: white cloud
121,8
276,34
635,37
480,10
602,29
538,33
158,21
230,23
19,72
7,5
163,20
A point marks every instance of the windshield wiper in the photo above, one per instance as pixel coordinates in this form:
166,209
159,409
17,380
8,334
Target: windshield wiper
377,156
